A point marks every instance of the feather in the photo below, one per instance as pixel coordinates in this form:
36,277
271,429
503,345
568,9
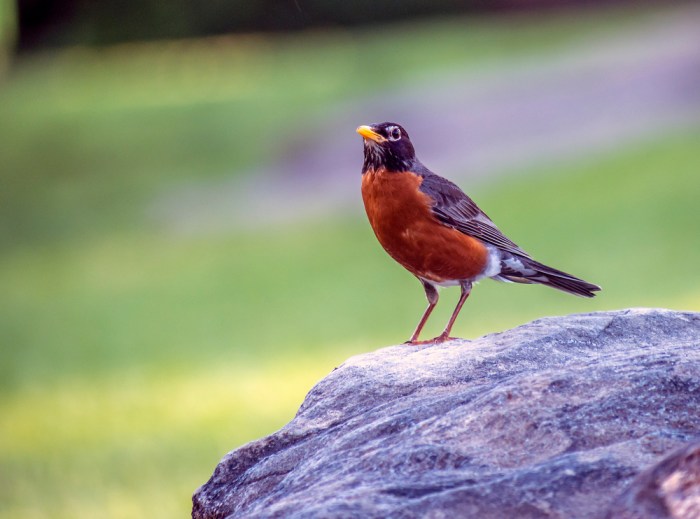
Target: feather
527,270
455,209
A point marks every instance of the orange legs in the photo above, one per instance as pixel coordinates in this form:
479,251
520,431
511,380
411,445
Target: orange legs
466,290
432,294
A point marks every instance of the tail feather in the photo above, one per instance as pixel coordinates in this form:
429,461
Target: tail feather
525,270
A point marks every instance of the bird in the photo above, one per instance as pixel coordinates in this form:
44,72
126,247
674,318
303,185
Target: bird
435,231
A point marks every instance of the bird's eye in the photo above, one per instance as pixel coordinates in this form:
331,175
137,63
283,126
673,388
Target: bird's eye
394,133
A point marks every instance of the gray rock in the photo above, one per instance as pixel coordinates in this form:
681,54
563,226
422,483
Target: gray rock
669,490
551,419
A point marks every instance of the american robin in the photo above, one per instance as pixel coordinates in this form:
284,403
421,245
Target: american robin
435,231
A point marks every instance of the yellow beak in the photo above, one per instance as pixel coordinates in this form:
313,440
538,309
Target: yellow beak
368,133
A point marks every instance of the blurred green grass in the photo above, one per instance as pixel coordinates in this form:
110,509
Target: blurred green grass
132,360
89,135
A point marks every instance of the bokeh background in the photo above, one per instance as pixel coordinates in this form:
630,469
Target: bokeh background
183,251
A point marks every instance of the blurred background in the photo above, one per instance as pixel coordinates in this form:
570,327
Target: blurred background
183,251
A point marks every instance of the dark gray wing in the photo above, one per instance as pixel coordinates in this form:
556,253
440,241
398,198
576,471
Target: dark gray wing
455,209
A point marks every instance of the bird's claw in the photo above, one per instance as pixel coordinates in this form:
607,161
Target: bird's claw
436,340
443,337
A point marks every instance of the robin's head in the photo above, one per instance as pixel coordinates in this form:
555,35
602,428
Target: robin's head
386,145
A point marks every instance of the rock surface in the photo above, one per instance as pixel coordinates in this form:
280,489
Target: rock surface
551,419
670,489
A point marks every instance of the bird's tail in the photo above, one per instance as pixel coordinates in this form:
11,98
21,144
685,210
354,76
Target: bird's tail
519,269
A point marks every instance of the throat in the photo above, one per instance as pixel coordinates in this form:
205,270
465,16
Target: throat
374,158
377,158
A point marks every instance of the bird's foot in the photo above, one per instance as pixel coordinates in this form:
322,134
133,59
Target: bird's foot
412,342
443,337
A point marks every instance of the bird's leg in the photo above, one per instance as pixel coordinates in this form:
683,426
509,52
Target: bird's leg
466,290
432,294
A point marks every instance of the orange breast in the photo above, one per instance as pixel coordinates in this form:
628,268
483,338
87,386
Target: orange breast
401,217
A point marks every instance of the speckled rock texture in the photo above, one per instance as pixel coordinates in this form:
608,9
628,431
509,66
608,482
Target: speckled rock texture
670,489
555,418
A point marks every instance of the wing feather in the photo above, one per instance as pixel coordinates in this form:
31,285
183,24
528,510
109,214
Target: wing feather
455,209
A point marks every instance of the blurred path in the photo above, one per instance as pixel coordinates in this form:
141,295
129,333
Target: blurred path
475,126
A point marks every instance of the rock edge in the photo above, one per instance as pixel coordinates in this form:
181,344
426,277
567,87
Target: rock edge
554,418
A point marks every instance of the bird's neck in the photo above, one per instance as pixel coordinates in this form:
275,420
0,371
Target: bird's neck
377,158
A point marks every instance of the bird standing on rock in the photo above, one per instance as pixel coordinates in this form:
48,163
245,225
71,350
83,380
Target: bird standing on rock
435,231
